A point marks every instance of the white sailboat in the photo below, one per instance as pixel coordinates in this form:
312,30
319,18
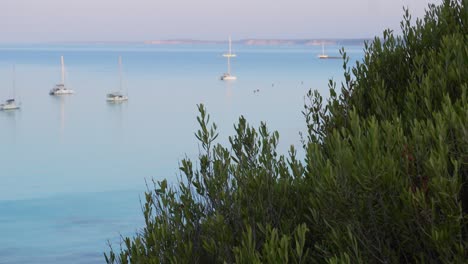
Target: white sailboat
117,97
323,55
10,104
227,76
60,88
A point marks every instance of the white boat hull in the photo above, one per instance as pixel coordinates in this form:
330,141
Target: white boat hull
10,104
117,100
62,92
9,107
228,78
116,97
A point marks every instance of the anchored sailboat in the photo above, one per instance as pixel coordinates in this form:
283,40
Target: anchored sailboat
116,97
323,55
60,88
227,76
10,104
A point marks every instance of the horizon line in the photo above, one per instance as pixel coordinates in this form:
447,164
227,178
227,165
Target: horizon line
181,41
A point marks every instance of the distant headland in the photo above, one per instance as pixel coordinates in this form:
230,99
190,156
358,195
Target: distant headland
246,42
262,42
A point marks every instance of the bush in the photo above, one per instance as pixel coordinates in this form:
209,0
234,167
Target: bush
384,178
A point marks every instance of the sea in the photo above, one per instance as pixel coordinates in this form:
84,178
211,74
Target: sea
74,169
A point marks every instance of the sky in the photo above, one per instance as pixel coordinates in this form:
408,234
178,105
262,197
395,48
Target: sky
139,20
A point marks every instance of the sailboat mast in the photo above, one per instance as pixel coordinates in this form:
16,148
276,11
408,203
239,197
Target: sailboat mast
14,81
229,57
323,48
120,72
63,70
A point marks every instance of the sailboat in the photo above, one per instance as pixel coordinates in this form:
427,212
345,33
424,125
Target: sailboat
60,88
116,97
323,55
10,104
227,76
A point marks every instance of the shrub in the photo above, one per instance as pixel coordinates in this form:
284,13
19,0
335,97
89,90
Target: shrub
384,178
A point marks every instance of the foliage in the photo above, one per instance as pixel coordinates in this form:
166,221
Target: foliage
383,180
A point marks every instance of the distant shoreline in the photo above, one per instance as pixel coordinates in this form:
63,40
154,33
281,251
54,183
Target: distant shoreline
262,42
247,42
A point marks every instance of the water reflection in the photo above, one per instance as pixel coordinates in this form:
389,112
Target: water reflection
116,111
60,101
228,87
11,119
11,114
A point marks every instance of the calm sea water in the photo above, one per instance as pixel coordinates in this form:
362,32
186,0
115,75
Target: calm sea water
72,169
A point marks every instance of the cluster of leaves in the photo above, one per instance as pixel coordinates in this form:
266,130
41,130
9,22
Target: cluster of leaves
383,180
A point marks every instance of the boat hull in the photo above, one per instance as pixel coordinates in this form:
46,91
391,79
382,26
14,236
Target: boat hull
228,78
116,97
9,107
117,100
61,92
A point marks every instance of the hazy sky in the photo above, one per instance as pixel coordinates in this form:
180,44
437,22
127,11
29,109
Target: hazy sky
136,20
